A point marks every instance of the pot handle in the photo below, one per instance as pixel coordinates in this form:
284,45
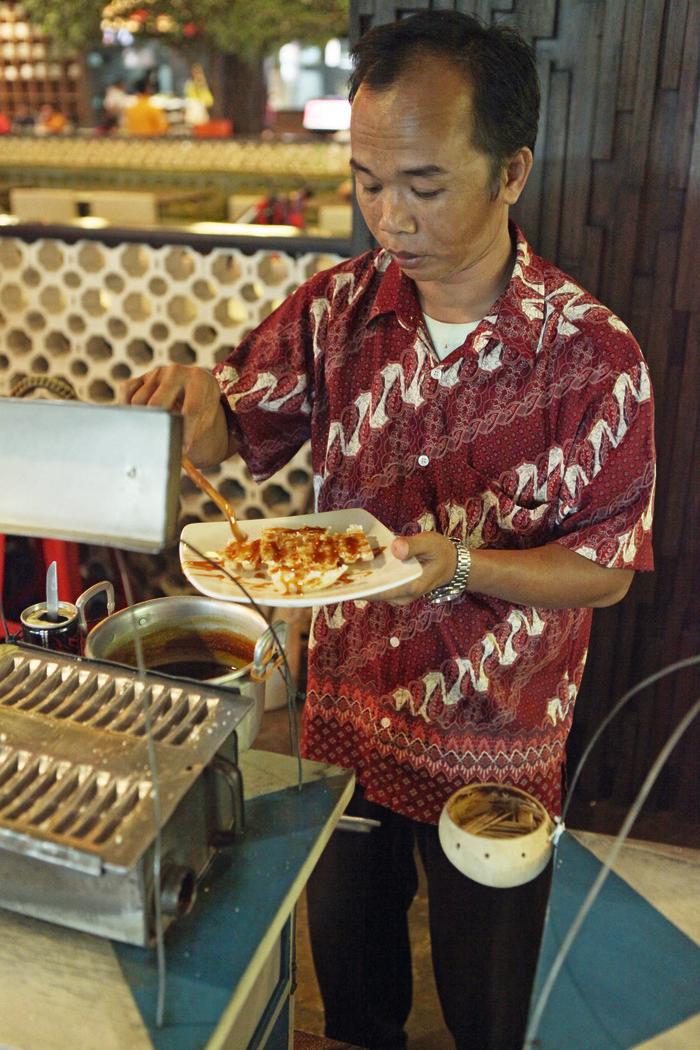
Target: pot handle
88,595
267,656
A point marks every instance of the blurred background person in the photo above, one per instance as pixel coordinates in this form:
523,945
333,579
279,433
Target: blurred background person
198,97
50,122
115,101
23,120
142,117
106,123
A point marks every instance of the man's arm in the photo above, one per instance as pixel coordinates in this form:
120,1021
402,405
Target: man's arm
196,395
549,577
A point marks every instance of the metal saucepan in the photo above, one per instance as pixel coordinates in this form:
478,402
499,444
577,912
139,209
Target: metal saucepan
220,643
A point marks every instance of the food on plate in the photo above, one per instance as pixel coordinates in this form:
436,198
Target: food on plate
304,559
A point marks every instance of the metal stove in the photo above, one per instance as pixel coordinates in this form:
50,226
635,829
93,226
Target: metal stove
77,823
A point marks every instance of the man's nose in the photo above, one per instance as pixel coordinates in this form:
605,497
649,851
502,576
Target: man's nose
396,217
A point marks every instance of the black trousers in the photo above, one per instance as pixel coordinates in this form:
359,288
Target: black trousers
484,941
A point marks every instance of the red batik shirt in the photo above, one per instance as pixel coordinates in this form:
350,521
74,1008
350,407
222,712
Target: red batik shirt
538,428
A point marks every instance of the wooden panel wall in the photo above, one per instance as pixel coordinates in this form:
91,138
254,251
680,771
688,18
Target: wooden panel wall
614,199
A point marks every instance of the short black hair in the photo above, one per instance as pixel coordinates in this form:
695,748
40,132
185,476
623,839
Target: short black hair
495,60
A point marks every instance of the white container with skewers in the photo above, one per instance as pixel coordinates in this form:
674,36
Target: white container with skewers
496,834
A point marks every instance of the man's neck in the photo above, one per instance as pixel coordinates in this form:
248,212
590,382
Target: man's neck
469,294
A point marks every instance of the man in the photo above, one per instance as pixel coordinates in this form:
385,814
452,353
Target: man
499,420
142,117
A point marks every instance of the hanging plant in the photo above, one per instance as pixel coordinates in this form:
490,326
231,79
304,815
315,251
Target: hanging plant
246,27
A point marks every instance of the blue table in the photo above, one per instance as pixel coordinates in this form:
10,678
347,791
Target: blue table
632,977
228,962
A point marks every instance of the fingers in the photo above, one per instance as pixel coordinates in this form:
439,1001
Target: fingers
159,388
425,546
410,592
400,548
437,557
190,390
200,407
138,390
127,389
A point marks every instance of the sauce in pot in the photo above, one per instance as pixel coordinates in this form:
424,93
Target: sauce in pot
202,670
202,655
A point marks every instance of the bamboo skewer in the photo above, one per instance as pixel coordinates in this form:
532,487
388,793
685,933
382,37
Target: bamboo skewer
495,815
216,497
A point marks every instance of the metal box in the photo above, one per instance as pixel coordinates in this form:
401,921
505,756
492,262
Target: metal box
102,474
77,816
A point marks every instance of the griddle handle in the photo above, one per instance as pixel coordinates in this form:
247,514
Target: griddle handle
232,775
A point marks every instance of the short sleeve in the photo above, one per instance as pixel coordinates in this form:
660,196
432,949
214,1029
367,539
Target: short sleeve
266,385
606,496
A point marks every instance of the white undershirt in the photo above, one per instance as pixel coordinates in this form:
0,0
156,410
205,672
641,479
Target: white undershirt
446,335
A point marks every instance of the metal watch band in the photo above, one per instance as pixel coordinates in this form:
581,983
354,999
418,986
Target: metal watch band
457,585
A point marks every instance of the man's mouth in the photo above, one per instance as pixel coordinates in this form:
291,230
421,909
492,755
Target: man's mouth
406,260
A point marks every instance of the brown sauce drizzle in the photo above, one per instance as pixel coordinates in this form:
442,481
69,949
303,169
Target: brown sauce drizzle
318,549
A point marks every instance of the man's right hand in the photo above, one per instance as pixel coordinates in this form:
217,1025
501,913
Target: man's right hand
195,394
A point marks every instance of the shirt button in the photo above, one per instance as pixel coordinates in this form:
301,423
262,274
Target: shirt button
436,373
385,723
423,461
394,642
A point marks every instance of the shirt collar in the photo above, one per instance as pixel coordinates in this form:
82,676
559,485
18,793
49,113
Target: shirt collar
515,320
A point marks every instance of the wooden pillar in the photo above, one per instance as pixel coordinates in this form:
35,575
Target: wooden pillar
238,86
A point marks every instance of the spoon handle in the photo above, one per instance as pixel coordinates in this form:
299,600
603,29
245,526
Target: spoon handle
216,497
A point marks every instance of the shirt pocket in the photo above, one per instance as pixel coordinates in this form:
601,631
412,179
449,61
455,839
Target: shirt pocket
509,511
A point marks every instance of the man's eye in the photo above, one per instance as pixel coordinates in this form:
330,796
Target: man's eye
427,194
371,189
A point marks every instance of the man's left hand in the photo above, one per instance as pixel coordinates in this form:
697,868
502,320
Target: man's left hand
438,559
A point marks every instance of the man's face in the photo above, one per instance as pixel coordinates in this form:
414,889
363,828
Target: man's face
425,191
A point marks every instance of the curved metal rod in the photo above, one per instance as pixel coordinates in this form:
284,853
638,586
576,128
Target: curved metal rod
201,482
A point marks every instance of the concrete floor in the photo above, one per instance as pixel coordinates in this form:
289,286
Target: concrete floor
426,1029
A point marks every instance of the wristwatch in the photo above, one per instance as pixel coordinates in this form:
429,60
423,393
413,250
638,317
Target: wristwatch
458,584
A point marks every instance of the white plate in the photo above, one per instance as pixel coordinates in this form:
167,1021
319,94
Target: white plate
362,578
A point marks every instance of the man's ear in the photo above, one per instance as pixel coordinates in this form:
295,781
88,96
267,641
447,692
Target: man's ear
514,175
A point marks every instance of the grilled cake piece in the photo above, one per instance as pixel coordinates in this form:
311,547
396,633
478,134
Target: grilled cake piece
304,559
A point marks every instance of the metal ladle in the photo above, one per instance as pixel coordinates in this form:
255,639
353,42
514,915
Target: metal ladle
216,497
